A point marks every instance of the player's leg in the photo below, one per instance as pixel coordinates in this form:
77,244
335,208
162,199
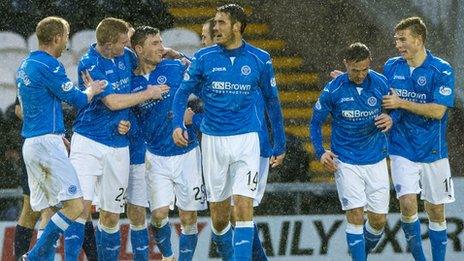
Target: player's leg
405,176
136,211
161,198
351,192
378,197
53,175
244,172
219,191
112,200
437,190
27,219
190,198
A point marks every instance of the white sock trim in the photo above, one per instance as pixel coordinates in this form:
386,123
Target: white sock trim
437,226
244,224
80,220
108,230
372,230
409,219
190,229
39,233
60,222
354,229
138,228
220,233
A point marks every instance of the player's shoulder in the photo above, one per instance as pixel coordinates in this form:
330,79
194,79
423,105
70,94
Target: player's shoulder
376,76
334,85
207,51
394,61
440,64
89,59
259,53
171,63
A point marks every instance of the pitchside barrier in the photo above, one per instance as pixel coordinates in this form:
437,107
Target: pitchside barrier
295,237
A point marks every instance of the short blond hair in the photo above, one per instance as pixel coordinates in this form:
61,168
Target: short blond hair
109,29
49,27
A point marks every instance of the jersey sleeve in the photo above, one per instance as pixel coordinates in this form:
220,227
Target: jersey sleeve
59,84
96,72
443,92
321,110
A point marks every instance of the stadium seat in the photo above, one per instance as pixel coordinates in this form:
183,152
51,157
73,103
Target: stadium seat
32,42
81,41
8,69
68,58
181,39
71,72
12,41
8,96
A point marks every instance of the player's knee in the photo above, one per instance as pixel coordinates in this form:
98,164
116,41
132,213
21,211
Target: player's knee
136,215
158,215
188,218
378,221
408,205
73,208
109,219
436,213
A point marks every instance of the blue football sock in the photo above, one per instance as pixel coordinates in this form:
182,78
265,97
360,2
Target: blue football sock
139,241
413,237
438,240
187,245
224,242
371,236
73,239
356,242
162,237
258,250
110,243
243,240
98,235
44,247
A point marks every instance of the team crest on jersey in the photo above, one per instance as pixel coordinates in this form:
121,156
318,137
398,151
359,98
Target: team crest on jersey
72,190
121,65
445,90
318,105
372,101
246,70
273,82
67,86
161,79
421,81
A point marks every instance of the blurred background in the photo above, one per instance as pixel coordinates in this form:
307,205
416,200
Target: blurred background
305,40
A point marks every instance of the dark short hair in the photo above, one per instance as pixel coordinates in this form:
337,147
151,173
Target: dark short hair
50,27
357,52
141,33
236,13
415,24
210,23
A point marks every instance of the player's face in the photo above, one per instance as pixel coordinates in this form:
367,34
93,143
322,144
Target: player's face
206,39
407,44
357,71
117,48
223,29
62,41
152,49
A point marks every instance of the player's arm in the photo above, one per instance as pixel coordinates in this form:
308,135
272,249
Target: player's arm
116,101
271,100
191,84
429,110
321,110
59,84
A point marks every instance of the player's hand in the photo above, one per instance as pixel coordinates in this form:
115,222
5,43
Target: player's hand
67,144
180,137
275,161
328,160
171,53
124,127
93,87
186,62
384,122
335,73
392,101
156,92
188,116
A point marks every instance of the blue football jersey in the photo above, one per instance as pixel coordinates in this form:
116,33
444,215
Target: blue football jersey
227,81
96,121
155,116
415,137
43,84
355,138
